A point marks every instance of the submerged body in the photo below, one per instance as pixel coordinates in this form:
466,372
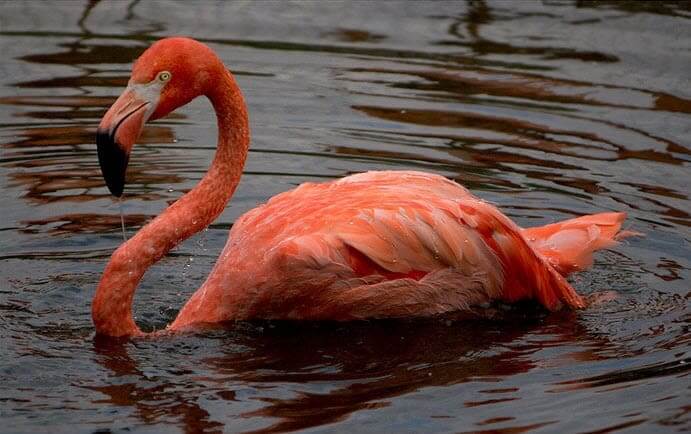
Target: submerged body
374,245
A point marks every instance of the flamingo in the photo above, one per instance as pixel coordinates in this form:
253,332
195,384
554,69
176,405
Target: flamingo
381,244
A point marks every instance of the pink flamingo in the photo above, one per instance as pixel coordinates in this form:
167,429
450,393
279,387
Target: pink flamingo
373,245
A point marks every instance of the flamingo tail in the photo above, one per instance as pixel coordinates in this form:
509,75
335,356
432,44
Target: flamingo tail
569,245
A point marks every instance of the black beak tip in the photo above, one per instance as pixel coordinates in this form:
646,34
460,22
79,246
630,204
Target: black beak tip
113,161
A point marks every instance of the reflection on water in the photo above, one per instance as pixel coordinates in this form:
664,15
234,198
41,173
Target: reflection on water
548,109
357,367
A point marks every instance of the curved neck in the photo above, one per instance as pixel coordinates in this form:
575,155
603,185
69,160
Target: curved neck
112,306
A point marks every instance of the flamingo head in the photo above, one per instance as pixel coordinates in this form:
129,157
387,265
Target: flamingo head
169,74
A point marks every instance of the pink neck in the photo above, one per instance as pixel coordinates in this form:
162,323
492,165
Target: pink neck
112,306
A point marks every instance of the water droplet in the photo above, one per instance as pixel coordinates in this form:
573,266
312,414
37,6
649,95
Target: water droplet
122,220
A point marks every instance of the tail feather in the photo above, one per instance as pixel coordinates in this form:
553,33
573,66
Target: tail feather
569,245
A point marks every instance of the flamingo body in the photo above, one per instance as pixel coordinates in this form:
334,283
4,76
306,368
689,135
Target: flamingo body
380,245
373,245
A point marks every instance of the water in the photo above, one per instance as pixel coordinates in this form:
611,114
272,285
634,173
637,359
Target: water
548,109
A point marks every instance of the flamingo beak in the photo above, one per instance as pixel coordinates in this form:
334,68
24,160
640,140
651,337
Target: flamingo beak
117,132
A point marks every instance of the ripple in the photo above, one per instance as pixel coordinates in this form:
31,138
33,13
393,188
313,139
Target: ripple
547,110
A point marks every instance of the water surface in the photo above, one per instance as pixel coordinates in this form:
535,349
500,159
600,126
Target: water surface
549,110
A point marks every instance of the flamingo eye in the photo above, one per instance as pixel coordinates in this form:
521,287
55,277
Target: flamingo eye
163,76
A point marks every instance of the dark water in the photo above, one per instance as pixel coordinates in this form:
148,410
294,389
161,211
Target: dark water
548,109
